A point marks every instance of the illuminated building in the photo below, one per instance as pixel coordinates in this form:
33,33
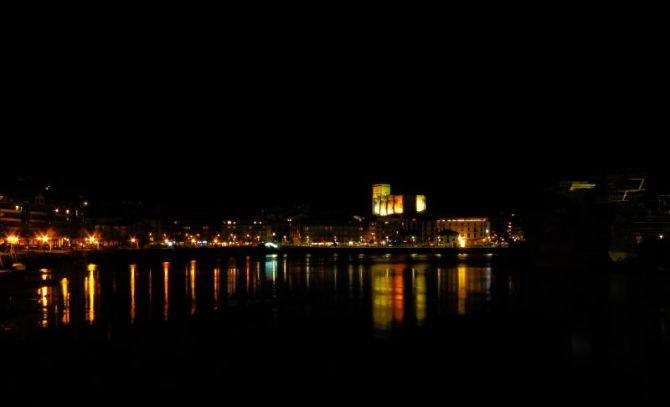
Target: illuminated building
471,231
385,204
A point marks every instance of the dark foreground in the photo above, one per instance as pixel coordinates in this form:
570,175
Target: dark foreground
318,329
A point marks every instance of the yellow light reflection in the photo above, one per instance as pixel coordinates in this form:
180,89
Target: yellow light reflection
217,283
192,299
65,319
231,287
43,293
89,293
462,289
420,297
166,299
382,301
398,296
133,267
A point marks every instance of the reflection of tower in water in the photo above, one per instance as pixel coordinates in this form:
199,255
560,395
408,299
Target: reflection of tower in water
387,298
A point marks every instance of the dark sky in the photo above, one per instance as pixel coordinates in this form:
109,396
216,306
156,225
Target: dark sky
207,125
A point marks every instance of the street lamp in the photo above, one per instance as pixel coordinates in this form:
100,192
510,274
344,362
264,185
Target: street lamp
44,239
12,240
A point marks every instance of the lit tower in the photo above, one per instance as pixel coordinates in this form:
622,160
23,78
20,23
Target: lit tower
379,194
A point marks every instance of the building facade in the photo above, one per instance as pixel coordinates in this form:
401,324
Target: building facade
385,204
472,232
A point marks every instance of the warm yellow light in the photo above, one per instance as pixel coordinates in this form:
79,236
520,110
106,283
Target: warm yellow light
420,203
66,301
133,268
581,185
12,239
91,267
132,240
461,241
89,291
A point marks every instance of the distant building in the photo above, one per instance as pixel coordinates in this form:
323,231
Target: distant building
472,232
385,204
10,215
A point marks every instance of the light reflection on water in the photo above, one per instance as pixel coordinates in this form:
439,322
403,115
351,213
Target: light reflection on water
91,294
395,296
133,267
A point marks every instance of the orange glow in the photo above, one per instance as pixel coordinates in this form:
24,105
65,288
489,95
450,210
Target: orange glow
420,297
397,204
89,292
192,286
231,287
166,300
65,319
398,296
133,267
217,283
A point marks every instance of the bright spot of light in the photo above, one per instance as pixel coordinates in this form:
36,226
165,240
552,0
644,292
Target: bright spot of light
461,241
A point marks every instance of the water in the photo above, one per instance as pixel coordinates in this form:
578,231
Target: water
309,322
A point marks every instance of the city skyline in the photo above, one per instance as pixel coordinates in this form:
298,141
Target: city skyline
487,189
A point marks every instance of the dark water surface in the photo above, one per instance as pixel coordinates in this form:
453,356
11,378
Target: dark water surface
313,329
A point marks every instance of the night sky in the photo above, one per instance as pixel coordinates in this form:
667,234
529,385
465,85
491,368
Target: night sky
511,117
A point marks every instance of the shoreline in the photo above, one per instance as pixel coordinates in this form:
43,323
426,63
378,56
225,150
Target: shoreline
206,254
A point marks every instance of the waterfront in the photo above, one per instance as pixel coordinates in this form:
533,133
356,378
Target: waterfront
379,326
